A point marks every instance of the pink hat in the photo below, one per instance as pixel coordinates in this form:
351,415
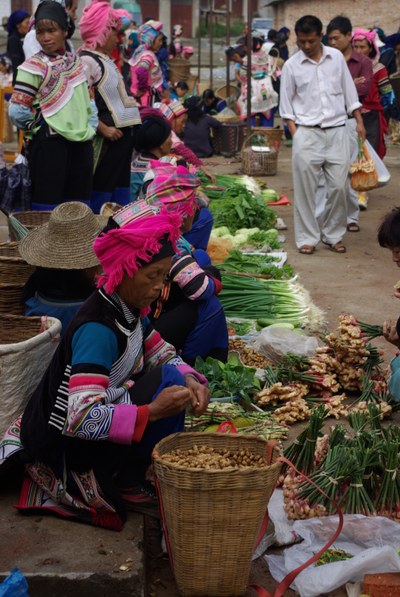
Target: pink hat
187,50
173,188
98,19
371,37
172,110
138,239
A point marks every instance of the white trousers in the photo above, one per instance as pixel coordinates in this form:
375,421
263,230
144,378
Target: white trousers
353,210
314,149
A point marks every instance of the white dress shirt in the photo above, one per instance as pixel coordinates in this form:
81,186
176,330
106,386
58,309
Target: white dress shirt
317,93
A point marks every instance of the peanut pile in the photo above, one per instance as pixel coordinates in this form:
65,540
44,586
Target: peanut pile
209,458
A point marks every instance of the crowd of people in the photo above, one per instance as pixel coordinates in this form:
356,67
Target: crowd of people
123,259
327,116
136,291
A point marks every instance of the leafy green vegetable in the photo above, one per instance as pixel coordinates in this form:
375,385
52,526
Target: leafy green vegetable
255,264
242,209
228,379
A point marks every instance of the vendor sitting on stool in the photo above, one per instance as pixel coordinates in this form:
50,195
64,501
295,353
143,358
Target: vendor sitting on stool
113,389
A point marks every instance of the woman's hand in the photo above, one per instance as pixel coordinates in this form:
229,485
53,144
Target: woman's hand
390,333
209,175
169,402
111,133
200,394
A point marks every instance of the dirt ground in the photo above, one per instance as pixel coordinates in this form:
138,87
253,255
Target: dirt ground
358,282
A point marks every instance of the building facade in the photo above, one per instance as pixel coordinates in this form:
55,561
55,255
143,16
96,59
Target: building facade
362,13
170,12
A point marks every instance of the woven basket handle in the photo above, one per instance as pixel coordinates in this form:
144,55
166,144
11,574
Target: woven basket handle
289,578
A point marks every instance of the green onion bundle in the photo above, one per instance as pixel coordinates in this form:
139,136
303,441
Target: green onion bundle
302,451
268,301
355,499
329,477
388,498
369,330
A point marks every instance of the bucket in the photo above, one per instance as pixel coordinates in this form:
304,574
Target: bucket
212,517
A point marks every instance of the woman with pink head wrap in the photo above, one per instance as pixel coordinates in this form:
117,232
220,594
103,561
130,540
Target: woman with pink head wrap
380,94
114,387
118,112
188,313
146,73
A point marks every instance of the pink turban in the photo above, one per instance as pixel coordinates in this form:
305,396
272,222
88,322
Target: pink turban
123,250
371,37
98,19
174,188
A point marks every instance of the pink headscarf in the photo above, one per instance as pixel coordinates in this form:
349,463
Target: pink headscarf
173,188
170,111
371,37
98,19
122,251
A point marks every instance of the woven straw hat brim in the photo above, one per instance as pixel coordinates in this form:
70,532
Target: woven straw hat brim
71,249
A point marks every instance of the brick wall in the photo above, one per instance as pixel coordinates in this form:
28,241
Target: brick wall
362,13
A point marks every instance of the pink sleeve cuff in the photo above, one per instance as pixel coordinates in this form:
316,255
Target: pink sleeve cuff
141,422
188,370
123,423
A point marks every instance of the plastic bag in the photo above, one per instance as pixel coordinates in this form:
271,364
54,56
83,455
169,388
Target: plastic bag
373,541
17,189
274,342
14,585
381,170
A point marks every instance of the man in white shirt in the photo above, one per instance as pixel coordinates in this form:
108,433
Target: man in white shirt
317,96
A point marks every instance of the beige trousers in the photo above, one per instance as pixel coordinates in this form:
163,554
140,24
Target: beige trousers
314,149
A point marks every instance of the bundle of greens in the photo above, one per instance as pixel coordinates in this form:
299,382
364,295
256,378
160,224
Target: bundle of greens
223,182
302,452
246,422
243,210
228,379
255,264
268,301
249,238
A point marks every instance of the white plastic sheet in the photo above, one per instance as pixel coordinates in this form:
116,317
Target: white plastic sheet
373,541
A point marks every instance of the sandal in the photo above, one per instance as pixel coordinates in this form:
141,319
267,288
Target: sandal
337,247
353,227
307,250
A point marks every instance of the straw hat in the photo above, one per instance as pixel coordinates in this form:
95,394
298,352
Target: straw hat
66,241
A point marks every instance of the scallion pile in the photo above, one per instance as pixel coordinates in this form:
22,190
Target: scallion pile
268,301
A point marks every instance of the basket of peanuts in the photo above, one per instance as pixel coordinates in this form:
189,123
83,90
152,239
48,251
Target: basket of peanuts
214,490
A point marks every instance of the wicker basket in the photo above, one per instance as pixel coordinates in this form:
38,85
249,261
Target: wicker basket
11,299
13,269
256,162
226,91
212,517
27,345
30,219
228,139
268,136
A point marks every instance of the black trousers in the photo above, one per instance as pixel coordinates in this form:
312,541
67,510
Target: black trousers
60,170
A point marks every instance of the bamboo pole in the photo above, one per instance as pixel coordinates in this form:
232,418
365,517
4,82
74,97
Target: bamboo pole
249,48
211,25
228,42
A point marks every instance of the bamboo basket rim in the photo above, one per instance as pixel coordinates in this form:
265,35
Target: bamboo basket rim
249,438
